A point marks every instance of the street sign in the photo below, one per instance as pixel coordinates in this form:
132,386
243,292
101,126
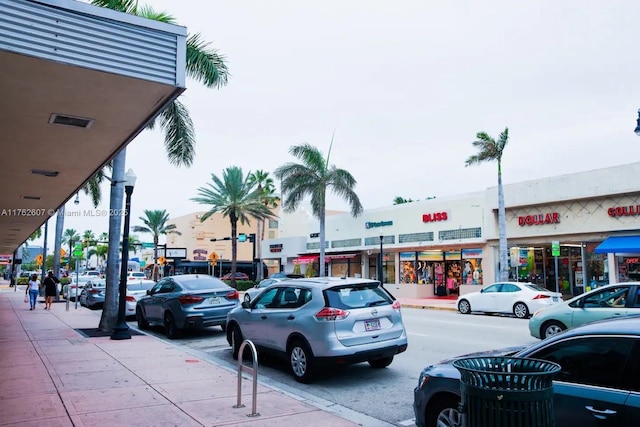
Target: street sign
77,253
161,260
63,253
213,256
147,245
78,246
39,259
555,248
242,237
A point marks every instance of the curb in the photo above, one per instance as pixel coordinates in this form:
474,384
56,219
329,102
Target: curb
429,307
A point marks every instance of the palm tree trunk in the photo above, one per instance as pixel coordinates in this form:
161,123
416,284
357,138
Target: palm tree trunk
109,316
155,257
57,245
502,229
321,271
258,252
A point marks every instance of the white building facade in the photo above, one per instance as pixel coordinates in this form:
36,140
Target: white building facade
450,245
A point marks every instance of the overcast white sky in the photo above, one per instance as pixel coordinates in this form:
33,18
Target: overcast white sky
405,85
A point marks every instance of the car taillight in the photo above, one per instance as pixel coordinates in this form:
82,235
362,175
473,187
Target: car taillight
190,299
95,291
232,295
130,298
329,313
541,296
396,305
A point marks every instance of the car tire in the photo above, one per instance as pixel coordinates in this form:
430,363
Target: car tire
301,362
551,328
464,307
380,363
170,328
236,341
520,310
443,413
142,322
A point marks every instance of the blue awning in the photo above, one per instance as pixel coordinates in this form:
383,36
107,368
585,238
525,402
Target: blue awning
621,244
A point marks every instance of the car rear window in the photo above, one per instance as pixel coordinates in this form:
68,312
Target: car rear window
357,296
537,288
202,283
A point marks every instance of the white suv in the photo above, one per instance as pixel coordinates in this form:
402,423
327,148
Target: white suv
319,321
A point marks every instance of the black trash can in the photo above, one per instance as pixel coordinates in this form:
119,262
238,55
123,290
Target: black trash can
506,392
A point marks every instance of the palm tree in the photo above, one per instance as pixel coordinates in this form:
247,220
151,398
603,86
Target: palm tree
490,150
236,197
313,178
71,237
267,191
101,253
155,223
202,64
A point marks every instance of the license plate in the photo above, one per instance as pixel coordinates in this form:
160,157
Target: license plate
372,325
555,299
214,300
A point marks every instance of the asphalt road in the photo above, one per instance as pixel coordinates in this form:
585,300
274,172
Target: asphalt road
385,394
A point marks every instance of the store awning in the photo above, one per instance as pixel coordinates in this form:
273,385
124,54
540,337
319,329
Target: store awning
340,256
305,259
620,244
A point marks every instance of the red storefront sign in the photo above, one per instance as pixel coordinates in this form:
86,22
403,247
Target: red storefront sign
539,219
631,210
433,217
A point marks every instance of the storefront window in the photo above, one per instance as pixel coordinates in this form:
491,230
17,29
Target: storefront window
628,268
453,271
408,273
472,267
431,268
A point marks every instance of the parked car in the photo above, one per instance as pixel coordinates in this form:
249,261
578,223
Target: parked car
283,275
239,276
92,295
618,300
253,292
135,291
519,298
311,322
597,386
76,284
136,275
186,301
94,273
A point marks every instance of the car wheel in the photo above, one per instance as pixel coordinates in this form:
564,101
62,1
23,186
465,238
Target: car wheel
236,341
380,363
247,298
301,362
443,413
552,328
142,322
520,310
464,307
170,328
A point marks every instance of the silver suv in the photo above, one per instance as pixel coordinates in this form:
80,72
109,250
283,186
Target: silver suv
319,321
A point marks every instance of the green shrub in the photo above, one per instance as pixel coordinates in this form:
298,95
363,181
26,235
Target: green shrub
241,285
22,281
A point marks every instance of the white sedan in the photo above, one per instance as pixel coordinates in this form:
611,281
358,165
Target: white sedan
136,290
75,287
520,298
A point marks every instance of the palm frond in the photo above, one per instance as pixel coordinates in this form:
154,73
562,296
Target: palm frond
204,64
126,6
179,139
149,13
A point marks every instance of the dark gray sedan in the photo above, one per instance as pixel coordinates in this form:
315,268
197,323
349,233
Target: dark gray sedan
92,295
188,301
598,386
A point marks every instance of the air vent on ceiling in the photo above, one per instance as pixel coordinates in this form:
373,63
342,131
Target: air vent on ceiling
79,122
14,229
31,197
45,172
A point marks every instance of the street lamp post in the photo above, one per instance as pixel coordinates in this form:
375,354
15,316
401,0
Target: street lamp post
121,331
637,131
380,260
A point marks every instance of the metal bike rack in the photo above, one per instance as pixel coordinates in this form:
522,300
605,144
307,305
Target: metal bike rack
253,371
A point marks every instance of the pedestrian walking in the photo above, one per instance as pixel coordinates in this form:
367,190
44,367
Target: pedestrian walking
50,285
32,291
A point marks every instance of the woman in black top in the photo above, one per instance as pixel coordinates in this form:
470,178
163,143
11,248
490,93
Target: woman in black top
50,284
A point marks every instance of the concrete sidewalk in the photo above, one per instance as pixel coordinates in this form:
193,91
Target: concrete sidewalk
55,376
431,303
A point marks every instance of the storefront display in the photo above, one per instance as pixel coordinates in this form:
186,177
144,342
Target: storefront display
408,273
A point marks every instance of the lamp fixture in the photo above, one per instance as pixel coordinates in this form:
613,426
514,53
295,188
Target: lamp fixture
45,172
77,200
130,178
638,124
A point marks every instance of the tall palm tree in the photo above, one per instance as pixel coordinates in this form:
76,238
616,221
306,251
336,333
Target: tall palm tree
88,240
204,65
490,150
313,177
266,188
236,197
155,223
70,237
101,253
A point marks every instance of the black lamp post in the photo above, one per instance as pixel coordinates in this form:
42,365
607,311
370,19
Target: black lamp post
121,331
637,131
380,260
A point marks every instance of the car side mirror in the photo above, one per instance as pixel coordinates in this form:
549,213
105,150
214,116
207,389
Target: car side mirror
246,304
148,291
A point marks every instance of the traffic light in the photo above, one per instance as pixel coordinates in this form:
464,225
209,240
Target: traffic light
242,237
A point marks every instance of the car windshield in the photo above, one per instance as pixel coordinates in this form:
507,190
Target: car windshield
537,288
201,283
357,296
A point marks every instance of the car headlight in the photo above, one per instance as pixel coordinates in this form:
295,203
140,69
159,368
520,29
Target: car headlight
423,379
